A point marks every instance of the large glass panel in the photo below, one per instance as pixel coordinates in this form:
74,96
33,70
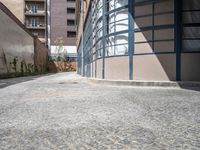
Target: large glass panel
191,45
117,21
165,6
191,32
154,26
191,4
143,36
99,34
99,53
191,25
113,4
117,45
139,10
164,19
191,17
164,34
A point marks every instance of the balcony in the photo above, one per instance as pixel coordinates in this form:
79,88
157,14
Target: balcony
34,0
39,26
37,13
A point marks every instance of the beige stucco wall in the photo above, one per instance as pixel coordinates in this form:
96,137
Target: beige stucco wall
14,42
99,68
154,67
160,67
117,68
89,68
93,69
16,7
190,67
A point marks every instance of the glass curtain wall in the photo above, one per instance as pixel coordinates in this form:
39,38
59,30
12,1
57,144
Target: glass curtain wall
116,27
191,26
106,26
154,26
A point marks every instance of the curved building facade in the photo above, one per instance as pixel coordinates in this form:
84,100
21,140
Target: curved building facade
140,40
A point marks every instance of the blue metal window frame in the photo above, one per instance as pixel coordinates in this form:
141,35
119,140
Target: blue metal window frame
91,37
178,37
154,27
90,40
116,33
188,25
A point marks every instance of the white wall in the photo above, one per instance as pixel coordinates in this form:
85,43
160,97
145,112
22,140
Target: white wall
68,49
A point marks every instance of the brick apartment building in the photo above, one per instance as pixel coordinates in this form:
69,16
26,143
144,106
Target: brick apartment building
139,39
36,18
33,14
48,20
63,25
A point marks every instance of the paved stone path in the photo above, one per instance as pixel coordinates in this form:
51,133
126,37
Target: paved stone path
62,111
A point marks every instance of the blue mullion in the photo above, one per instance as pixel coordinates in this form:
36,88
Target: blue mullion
104,29
150,41
148,2
117,33
131,46
157,27
178,37
153,25
116,10
117,21
116,45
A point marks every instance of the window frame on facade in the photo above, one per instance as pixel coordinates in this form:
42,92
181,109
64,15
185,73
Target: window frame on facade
71,34
147,24
71,22
191,26
71,10
154,30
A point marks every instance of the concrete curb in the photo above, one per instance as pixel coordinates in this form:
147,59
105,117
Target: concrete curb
174,84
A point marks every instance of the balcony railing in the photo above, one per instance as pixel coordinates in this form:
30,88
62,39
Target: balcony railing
36,13
34,0
38,26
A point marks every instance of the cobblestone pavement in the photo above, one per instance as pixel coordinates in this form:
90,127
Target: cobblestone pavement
62,111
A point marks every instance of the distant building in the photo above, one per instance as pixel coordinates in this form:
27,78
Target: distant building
63,25
139,39
36,18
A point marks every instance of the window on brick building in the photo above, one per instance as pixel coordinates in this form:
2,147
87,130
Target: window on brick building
70,22
71,10
71,34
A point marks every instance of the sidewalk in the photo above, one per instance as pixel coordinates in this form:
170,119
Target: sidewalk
143,83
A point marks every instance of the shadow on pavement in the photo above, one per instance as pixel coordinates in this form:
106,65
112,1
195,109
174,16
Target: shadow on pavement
11,81
190,85
191,88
